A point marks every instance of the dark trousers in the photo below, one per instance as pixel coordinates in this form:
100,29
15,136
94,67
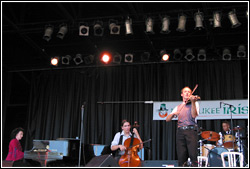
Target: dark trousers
186,142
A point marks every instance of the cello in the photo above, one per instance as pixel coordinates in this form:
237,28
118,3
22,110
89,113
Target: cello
130,157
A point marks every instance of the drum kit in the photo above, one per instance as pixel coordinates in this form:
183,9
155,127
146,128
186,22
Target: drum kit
213,151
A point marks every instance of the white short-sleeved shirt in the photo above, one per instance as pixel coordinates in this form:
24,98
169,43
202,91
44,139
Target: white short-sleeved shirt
117,139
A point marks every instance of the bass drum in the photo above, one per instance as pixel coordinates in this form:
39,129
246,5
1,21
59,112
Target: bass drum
214,157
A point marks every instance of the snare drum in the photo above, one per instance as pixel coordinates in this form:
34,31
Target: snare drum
206,148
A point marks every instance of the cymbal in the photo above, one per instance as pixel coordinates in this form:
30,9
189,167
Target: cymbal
210,135
237,128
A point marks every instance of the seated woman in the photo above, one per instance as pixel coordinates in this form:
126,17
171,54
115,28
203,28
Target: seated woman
15,148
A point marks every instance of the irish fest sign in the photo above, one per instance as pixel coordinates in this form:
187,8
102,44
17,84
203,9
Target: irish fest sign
209,110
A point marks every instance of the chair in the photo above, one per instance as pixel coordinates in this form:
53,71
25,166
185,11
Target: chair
232,159
201,159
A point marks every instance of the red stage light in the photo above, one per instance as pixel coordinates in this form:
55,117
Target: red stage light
106,57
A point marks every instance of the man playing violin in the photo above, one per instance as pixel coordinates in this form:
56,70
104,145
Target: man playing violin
121,137
186,136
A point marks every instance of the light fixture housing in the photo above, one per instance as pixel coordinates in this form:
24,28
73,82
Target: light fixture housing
78,59
233,19
217,19
128,26
114,27
182,23
149,25
241,51
189,55
48,32
145,56
165,25
226,55
83,29
177,54
62,31
66,59
89,59
198,18
98,28
202,56
128,57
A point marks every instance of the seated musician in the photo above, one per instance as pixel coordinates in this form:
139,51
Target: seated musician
15,148
120,137
226,131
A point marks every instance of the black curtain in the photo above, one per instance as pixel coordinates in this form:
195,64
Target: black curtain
58,95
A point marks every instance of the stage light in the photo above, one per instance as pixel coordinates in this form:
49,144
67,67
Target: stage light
106,57
145,56
233,19
98,29
189,55
198,17
241,51
62,31
177,54
84,29
226,54
182,23
113,27
164,55
117,58
128,26
89,59
66,59
78,59
54,61
165,25
202,55
48,32
217,19
149,25
128,57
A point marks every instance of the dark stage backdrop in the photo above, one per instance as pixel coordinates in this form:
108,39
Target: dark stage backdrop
57,96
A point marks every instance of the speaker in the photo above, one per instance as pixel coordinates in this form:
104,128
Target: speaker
103,161
160,163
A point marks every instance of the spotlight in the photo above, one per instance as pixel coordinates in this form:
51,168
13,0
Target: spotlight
98,29
105,57
128,57
201,55
117,58
62,31
189,55
84,29
128,26
89,59
66,59
182,23
149,25
114,28
217,19
48,32
198,17
177,54
165,25
145,56
54,61
164,55
233,19
78,59
241,51
226,54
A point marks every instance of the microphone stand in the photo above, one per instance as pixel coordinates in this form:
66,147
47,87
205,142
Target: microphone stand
81,138
230,107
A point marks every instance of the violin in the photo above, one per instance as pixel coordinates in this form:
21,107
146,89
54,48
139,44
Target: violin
130,157
197,97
